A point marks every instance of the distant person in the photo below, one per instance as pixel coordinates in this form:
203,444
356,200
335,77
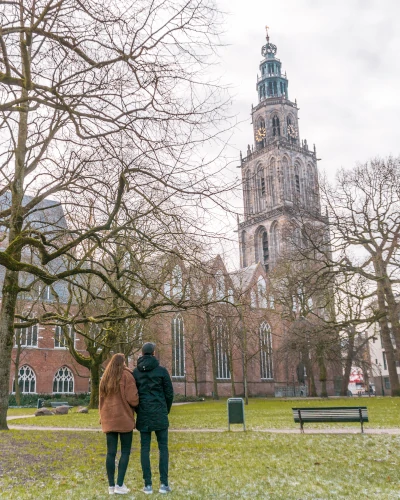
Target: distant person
118,397
155,400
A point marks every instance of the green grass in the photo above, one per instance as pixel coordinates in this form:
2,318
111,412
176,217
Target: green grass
49,465
20,411
260,414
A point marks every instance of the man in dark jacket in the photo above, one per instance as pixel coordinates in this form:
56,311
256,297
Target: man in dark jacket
155,400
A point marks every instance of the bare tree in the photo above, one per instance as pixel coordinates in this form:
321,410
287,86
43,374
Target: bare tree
92,114
363,210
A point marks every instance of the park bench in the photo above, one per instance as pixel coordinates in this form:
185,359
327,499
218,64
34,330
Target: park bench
59,403
331,414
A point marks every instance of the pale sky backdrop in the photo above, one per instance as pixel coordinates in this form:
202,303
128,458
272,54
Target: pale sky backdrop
342,60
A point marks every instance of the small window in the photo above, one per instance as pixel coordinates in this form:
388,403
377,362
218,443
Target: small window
27,337
60,341
45,293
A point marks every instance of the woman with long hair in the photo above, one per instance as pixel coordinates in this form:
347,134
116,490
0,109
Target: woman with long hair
118,397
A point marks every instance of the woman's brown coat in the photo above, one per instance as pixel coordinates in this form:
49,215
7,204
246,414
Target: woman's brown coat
116,410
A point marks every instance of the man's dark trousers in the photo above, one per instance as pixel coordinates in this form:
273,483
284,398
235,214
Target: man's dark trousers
145,440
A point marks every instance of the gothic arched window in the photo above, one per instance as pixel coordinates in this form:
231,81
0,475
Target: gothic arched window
176,282
63,381
219,285
178,347
221,350
26,380
276,129
262,292
244,259
266,367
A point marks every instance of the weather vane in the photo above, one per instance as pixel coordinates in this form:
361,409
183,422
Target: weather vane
266,29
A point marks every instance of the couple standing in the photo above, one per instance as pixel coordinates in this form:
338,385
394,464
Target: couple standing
149,392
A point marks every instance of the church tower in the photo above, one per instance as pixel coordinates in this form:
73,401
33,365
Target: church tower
279,172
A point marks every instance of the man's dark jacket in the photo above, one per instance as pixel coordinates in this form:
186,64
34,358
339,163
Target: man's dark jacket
155,394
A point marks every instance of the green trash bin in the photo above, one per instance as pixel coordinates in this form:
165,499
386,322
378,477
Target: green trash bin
236,412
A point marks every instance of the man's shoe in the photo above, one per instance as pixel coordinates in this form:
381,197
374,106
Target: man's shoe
164,489
148,489
121,490
111,490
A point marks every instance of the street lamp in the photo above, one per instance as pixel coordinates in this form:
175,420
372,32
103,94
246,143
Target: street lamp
380,373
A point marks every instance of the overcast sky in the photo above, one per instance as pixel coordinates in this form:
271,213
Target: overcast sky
343,65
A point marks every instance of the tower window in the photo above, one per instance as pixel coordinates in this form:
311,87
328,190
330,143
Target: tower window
265,249
297,179
275,88
276,129
262,182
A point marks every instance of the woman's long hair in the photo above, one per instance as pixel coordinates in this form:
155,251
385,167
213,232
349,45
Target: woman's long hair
112,375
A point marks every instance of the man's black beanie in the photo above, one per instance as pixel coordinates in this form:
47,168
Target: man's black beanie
148,348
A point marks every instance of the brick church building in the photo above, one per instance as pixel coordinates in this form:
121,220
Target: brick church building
214,351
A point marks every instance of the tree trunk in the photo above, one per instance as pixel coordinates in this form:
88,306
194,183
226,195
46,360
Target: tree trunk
94,385
16,372
245,384
10,286
393,313
348,365
322,371
8,305
387,343
212,353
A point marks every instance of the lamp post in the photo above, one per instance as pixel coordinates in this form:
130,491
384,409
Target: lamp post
380,373
185,384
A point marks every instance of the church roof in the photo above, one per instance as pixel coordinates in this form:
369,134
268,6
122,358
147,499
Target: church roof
242,278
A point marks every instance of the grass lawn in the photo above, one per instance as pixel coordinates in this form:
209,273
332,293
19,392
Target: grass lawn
70,465
260,413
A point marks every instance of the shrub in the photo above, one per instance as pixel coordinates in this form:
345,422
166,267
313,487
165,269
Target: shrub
30,400
179,398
